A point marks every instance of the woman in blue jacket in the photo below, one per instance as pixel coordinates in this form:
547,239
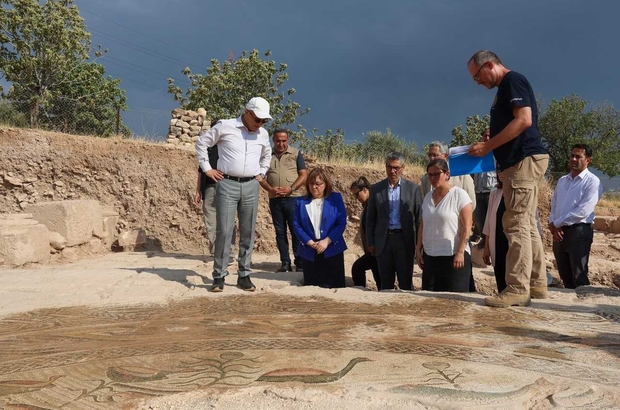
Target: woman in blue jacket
320,220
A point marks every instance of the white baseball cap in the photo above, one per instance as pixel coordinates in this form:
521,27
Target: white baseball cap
260,107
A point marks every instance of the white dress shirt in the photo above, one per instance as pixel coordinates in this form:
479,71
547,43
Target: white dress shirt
315,213
574,199
441,231
241,153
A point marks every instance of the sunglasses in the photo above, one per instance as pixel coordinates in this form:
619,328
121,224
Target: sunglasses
258,120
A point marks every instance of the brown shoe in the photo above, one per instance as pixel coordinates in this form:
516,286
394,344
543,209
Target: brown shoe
539,292
506,299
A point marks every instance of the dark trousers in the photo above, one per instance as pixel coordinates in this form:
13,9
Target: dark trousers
439,275
282,214
573,253
361,265
480,213
325,272
396,261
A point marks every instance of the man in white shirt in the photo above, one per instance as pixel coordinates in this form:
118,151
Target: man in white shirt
244,156
571,218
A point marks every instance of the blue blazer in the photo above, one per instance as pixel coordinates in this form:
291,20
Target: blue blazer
333,224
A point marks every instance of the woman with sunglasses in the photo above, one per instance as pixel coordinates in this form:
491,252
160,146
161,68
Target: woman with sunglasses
442,249
319,223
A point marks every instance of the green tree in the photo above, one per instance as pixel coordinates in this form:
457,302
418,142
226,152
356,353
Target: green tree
228,86
474,127
379,144
568,121
44,54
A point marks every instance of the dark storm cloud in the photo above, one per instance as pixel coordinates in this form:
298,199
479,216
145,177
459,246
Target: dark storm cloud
366,65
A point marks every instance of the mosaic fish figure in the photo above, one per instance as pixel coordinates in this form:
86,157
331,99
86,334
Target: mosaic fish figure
134,374
308,375
8,387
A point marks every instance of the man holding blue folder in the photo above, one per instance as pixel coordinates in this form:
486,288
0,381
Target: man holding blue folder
523,160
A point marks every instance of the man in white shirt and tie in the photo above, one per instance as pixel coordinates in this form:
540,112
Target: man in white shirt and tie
571,218
244,156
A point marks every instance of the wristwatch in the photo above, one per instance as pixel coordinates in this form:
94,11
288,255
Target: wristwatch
262,175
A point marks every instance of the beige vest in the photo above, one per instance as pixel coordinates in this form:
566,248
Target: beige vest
283,170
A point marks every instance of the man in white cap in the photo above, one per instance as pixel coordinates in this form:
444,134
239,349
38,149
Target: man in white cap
244,157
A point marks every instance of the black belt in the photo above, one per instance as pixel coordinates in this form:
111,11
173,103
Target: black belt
238,179
393,231
575,225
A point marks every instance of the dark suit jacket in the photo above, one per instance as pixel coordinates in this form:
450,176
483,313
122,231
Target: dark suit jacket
378,214
333,224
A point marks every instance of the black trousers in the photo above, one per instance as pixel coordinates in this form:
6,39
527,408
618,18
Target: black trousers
573,253
396,261
361,265
325,272
439,275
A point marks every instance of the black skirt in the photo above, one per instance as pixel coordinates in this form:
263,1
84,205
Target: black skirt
325,272
439,275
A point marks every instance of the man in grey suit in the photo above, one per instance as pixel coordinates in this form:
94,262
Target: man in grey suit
392,220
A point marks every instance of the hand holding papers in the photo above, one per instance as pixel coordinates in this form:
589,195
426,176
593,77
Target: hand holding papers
461,163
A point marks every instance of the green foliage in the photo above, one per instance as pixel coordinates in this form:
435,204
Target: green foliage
378,145
474,127
568,121
10,116
44,54
227,87
333,146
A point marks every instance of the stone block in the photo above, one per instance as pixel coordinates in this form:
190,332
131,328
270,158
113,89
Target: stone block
110,219
24,243
132,239
614,226
602,223
57,241
75,220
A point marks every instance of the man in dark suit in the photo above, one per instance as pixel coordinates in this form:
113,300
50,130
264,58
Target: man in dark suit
392,220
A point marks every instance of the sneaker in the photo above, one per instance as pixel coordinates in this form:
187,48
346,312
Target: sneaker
218,285
506,299
245,283
539,292
286,267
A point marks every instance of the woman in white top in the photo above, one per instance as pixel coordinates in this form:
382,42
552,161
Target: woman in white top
442,249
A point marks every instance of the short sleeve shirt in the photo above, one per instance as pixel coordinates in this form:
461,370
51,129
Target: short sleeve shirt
441,222
515,91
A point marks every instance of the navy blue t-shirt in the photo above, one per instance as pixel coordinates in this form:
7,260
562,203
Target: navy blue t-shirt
515,91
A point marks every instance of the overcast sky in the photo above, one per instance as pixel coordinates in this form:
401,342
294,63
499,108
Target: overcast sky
366,65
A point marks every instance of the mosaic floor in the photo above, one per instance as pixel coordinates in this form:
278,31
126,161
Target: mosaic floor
429,350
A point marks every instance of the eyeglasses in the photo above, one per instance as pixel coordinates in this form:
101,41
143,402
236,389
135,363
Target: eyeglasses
434,174
258,120
357,194
391,168
477,76
316,183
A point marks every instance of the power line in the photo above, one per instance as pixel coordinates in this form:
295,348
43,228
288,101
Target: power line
127,64
131,80
141,33
140,49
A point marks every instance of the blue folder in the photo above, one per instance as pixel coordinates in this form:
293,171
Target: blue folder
461,163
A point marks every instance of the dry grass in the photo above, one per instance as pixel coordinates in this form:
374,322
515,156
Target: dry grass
610,200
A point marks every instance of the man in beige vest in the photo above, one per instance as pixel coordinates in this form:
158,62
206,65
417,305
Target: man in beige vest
287,174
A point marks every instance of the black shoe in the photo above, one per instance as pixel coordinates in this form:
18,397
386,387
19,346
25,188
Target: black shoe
286,267
299,268
218,285
245,283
